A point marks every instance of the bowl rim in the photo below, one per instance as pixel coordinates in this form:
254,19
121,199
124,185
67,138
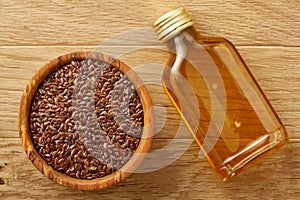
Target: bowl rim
59,177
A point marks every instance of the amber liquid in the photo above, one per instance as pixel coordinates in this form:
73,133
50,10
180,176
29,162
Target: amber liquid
222,105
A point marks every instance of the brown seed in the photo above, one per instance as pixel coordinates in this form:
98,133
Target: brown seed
65,130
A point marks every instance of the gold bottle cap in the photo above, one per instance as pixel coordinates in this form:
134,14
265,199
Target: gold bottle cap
171,24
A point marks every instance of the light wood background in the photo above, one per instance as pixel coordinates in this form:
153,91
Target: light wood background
266,32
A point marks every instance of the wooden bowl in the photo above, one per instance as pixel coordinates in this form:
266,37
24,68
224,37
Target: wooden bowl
60,177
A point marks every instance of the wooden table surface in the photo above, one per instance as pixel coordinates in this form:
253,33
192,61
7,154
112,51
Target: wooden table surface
267,34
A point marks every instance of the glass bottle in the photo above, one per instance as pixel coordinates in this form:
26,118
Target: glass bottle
217,97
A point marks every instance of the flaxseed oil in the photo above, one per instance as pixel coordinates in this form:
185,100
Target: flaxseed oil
217,97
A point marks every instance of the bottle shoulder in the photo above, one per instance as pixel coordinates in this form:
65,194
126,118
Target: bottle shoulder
214,40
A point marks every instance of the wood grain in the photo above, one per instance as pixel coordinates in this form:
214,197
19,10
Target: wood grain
187,178
268,37
80,23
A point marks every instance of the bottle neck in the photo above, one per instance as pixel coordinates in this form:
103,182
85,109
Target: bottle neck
189,33
180,45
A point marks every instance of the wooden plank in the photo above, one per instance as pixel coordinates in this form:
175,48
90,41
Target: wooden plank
36,22
274,68
189,177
